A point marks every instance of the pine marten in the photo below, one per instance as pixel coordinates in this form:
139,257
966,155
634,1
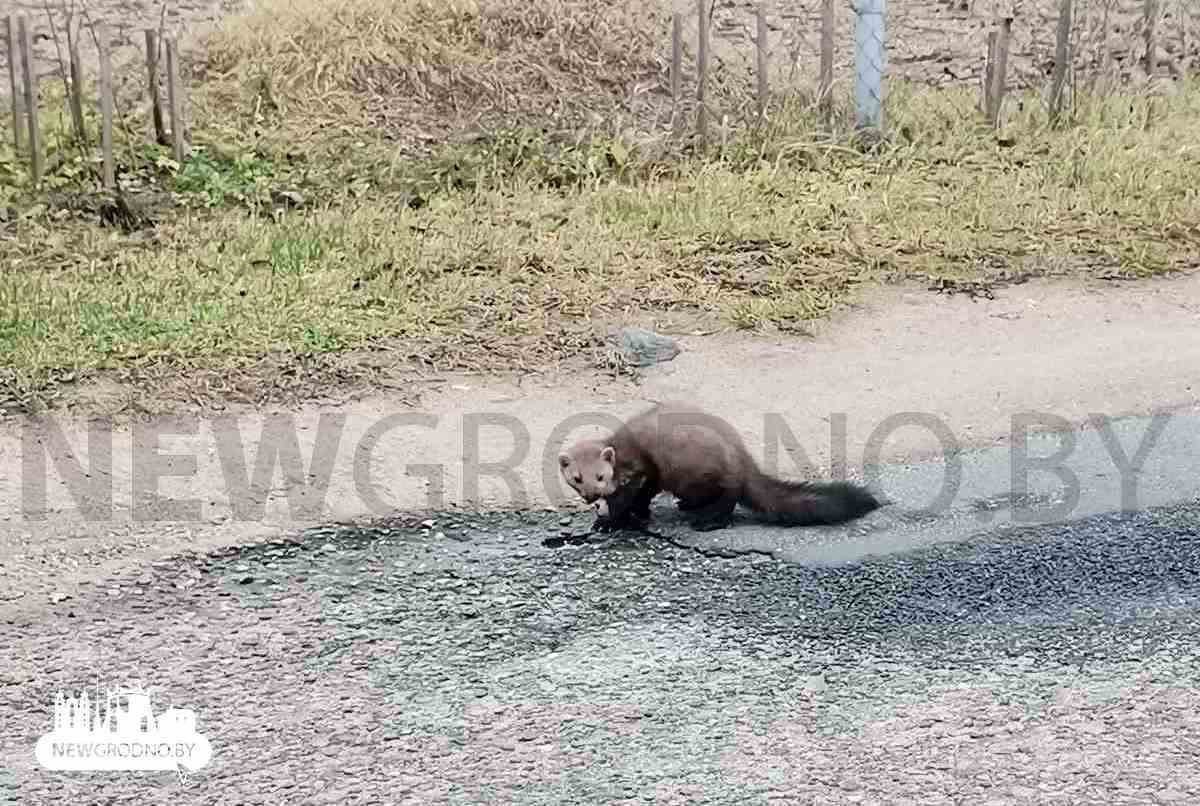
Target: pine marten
702,461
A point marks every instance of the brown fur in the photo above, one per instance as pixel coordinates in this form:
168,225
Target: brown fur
702,461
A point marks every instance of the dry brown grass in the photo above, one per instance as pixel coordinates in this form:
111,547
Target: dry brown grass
420,72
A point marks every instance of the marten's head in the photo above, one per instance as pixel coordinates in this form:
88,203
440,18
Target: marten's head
588,468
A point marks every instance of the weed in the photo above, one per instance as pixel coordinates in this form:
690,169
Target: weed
220,180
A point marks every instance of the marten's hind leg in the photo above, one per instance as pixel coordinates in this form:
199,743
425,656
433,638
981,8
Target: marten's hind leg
716,515
710,512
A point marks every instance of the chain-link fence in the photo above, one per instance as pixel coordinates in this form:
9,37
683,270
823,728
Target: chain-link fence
872,44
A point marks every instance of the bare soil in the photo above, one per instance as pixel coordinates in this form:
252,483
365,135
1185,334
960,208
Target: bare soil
127,22
944,41
933,41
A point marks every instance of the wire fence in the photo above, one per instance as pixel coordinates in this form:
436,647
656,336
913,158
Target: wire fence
856,49
728,60
24,98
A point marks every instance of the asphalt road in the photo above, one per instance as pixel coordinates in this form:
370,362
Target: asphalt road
485,659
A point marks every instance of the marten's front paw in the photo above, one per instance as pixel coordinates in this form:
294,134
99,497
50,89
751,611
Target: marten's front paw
626,520
605,525
604,520
607,516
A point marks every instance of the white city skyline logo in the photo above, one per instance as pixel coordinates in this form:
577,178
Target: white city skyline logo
119,731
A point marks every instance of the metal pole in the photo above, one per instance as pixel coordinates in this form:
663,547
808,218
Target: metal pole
869,57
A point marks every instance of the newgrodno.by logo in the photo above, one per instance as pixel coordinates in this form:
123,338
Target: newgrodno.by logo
121,732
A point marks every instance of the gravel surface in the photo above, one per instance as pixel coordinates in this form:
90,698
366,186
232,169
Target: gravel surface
465,661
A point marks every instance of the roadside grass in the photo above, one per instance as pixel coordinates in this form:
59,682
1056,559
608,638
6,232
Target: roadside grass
522,247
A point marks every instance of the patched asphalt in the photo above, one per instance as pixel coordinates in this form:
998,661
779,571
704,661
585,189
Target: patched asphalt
486,659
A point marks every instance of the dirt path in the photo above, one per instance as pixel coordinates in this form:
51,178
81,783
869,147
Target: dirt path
1064,349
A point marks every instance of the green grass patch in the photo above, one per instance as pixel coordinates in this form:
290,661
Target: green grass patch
768,237
505,248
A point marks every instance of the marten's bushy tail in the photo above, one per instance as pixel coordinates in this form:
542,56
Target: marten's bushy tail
807,502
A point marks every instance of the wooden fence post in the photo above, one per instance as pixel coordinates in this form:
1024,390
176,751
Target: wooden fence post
174,100
825,80
676,56
76,101
14,80
1061,55
989,73
702,73
106,104
761,45
1000,74
31,100
160,135
1149,31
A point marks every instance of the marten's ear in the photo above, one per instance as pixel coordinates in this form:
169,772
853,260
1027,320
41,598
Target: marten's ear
564,459
608,454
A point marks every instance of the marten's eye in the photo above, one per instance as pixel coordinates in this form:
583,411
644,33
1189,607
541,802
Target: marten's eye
578,479
599,477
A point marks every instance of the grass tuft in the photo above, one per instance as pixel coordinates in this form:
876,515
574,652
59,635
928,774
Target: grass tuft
421,72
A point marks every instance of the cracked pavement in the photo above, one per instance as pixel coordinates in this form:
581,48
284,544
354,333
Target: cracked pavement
482,658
